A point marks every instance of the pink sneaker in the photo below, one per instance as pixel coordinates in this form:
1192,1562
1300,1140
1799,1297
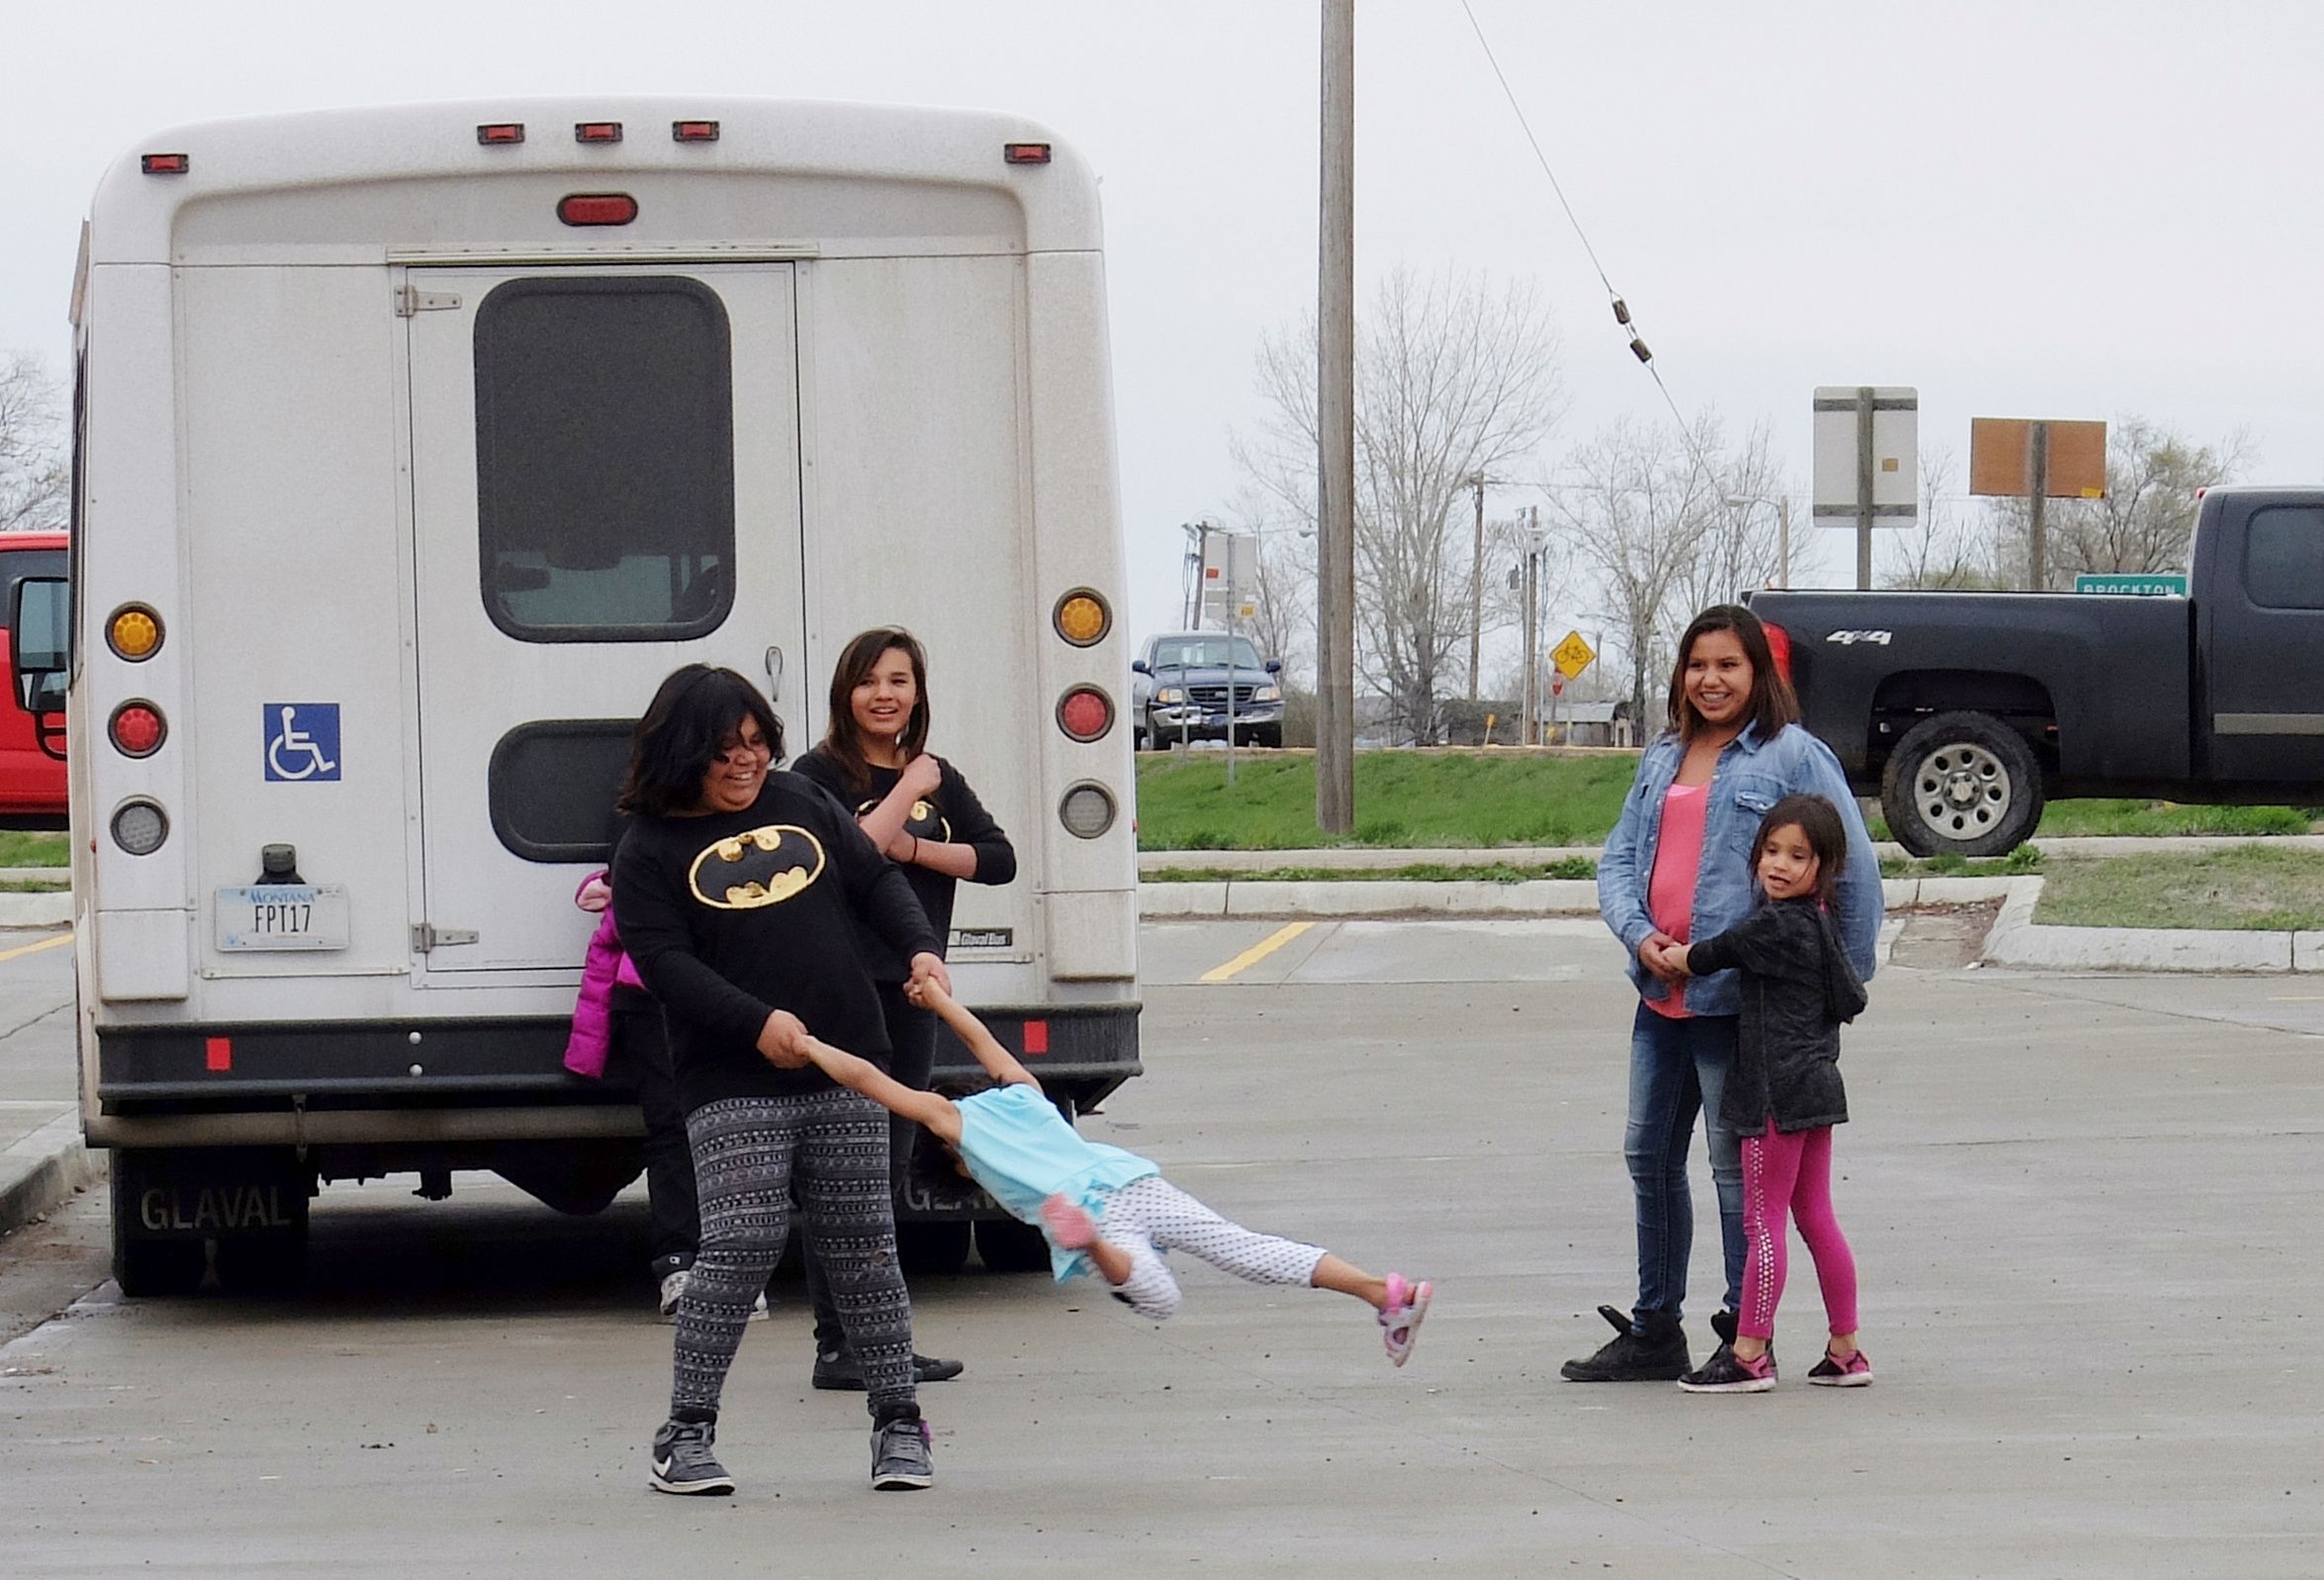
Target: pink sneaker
1851,1371
1400,1319
1068,1224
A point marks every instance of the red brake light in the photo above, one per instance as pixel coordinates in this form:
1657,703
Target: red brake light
1025,153
1085,713
137,729
167,163
500,132
597,207
694,131
597,132
1036,1038
1779,648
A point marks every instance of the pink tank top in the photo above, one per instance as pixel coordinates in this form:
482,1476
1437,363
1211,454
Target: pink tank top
1670,892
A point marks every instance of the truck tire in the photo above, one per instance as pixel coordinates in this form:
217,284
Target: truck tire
1962,784
1008,1245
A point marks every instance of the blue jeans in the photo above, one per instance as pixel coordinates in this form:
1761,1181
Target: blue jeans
1678,1069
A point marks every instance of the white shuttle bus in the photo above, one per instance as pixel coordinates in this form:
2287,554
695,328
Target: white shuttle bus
415,446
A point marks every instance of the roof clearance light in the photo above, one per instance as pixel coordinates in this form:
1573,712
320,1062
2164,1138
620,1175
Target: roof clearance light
137,729
141,826
597,132
1085,713
597,207
167,163
1082,618
1025,153
694,131
133,632
497,133
1086,810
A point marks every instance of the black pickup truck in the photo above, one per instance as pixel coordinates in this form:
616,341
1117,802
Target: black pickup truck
1968,711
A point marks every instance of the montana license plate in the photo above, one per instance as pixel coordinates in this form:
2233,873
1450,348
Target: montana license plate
283,917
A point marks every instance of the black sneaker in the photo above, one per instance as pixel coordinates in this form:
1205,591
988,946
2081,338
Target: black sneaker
841,1371
1727,1372
683,1461
901,1461
1661,1357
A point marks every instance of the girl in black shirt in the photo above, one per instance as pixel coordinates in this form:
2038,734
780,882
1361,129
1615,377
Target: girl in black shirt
919,810
741,892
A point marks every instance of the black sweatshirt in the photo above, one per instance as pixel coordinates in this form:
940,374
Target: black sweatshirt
1797,987
735,914
952,816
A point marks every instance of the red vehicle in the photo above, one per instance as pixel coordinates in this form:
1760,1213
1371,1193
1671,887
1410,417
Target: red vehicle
31,776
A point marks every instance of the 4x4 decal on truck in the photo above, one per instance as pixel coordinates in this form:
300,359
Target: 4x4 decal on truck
1851,638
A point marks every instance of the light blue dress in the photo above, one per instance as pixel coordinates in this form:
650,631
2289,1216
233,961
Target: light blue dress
1020,1149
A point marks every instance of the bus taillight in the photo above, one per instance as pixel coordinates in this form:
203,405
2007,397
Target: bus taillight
597,207
1086,713
137,729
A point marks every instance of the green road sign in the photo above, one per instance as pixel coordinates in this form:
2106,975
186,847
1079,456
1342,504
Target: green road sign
2135,585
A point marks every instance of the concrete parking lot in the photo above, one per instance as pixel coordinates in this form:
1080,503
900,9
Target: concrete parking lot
2084,1210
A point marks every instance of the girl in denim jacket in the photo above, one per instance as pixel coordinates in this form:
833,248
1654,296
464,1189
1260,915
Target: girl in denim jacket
1677,867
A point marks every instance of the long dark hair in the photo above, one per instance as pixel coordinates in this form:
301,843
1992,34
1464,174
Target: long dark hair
843,743
1773,702
1819,821
686,728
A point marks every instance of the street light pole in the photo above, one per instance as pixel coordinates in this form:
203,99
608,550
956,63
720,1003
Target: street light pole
1476,590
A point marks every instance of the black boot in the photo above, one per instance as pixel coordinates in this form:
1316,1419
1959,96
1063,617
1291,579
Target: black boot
1659,1354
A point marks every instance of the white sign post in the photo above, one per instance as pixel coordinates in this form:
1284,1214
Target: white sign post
1867,462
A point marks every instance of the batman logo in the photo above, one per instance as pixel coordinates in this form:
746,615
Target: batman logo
923,822
750,871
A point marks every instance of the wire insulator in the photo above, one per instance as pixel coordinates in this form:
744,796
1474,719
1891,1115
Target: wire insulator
1638,346
1622,312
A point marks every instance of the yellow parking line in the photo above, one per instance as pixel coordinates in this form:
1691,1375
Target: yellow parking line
1249,956
35,948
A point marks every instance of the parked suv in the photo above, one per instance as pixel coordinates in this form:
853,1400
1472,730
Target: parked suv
1179,689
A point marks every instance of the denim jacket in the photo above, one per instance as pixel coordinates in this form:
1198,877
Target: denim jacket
1752,773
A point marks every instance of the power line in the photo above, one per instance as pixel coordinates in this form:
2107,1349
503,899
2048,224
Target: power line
1622,312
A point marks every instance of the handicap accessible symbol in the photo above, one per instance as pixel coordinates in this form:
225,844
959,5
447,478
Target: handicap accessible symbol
302,741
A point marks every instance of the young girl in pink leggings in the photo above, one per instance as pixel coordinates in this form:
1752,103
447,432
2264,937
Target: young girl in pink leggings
1784,1094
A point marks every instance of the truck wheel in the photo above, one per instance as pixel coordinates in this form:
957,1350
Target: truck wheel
1962,784
1268,735
1008,1245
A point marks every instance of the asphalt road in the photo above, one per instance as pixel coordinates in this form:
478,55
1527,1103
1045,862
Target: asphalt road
2084,1211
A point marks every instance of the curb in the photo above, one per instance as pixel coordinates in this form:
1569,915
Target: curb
43,1170
2013,940
37,910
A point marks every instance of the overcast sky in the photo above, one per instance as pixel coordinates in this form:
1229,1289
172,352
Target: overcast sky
2034,207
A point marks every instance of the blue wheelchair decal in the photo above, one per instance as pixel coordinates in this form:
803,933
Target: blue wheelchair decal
302,741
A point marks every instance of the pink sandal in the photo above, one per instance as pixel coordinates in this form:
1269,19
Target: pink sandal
1400,1318
1069,1223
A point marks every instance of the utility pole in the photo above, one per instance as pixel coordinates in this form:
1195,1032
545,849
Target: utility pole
1782,516
1334,625
1531,688
1476,590
2037,487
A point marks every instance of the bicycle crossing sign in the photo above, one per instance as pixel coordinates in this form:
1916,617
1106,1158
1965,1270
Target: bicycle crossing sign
302,742
1573,656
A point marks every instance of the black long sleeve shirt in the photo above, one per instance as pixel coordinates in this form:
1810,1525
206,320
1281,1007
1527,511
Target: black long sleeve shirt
733,915
952,815
1798,987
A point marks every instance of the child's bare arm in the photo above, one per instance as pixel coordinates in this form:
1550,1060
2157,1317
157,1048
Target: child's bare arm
937,1115
999,1061
1111,1260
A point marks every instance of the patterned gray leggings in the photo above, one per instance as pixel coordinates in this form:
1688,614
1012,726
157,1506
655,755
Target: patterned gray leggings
749,1155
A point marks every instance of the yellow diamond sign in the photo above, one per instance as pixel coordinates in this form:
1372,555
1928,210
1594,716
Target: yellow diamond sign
1573,655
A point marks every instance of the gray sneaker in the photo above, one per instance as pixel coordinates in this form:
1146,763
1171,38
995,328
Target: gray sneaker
683,1461
901,1461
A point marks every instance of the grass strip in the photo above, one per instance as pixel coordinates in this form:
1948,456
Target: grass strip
2248,888
18,848
1419,872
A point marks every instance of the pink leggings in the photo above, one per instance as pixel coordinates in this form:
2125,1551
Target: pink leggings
1788,1174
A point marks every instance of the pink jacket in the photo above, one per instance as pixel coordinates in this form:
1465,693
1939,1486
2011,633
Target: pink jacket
593,1013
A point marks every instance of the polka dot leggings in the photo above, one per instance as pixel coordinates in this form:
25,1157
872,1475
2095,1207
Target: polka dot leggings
1149,1215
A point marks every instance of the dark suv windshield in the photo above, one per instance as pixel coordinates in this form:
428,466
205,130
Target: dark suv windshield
1204,652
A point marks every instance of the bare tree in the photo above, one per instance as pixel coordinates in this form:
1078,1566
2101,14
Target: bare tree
1453,378
36,476
1639,513
2146,521
1741,546
1945,549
